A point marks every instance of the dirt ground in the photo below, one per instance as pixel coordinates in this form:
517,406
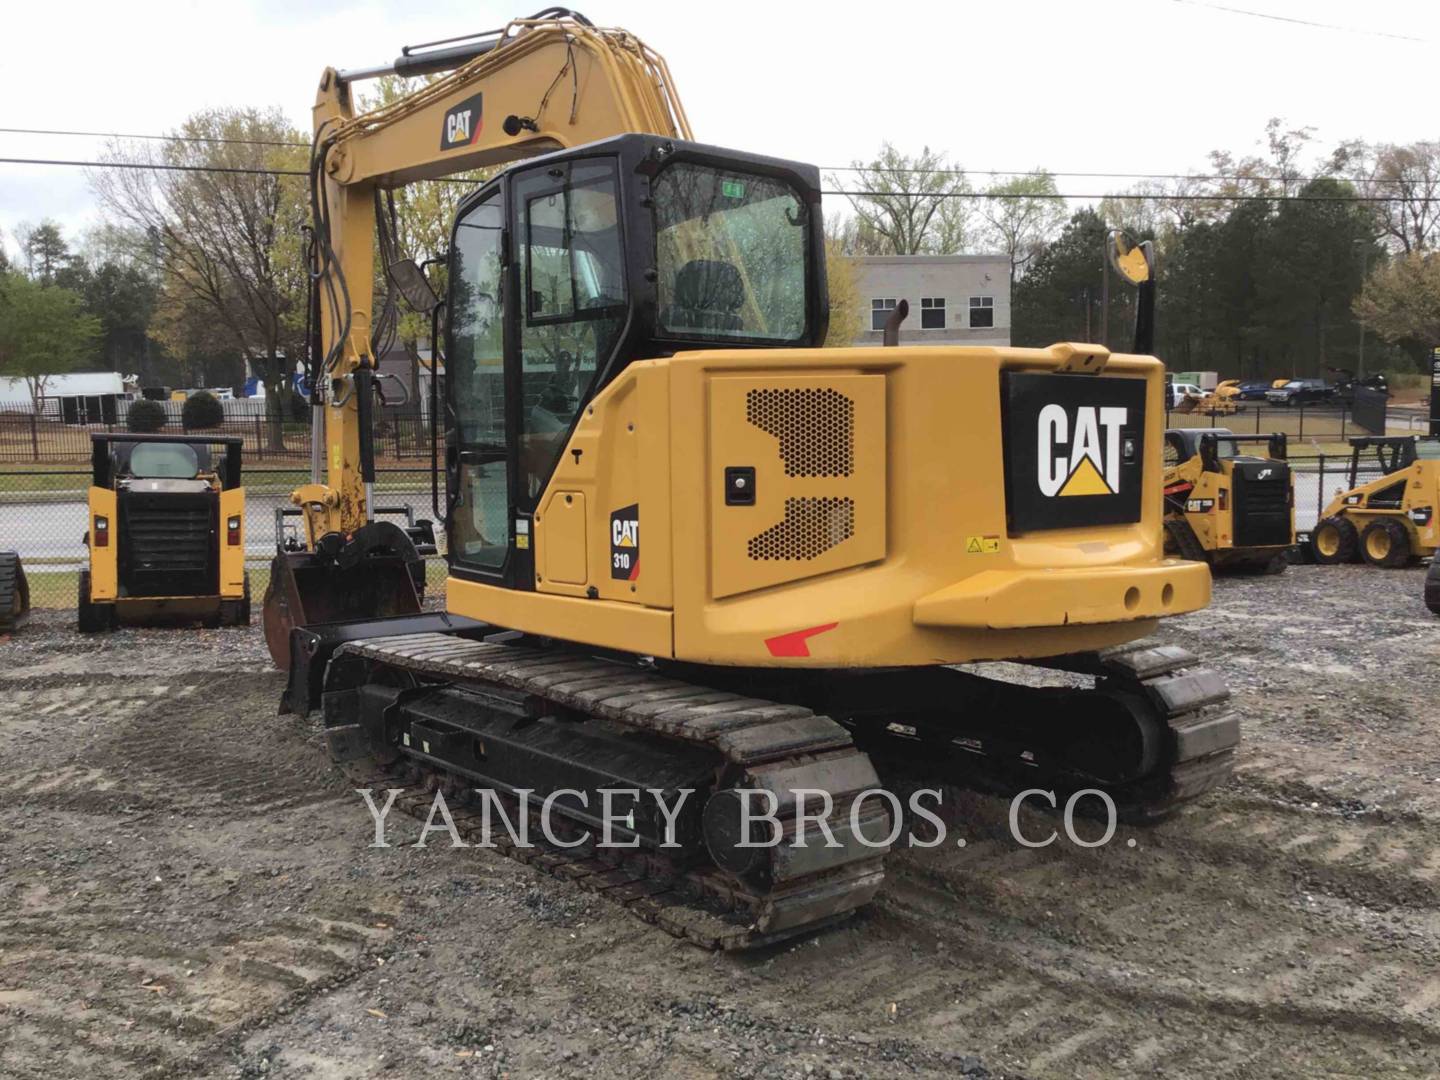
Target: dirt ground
188,891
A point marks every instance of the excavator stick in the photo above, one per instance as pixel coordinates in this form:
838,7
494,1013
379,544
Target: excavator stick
14,592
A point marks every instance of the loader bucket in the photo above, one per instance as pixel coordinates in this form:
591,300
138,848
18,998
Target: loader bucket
14,592
376,573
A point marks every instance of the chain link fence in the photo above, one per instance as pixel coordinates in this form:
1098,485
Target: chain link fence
43,505
30,439
43,516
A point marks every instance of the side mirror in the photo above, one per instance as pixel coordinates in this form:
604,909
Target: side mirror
414,286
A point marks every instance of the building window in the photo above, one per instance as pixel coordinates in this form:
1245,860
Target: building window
880,311
932,313
982,312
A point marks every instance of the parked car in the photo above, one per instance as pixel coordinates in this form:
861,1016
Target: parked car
1180,390
1255,391
1300,392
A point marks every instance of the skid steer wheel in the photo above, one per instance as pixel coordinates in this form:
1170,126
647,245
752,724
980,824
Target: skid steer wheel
237,612
1386,543
93,618
1334,541
1432,587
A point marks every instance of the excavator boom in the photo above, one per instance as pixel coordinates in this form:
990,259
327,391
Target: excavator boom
537,85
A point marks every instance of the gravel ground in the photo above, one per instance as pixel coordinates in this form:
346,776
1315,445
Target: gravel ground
188,891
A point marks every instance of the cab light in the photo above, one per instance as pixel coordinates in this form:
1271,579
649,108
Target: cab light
102,532
1224,498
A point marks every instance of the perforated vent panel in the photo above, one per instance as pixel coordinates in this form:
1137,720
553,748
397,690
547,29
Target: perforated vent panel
816,429
810,528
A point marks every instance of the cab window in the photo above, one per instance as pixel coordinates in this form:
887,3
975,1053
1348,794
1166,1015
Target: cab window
731,252
573,304
164,461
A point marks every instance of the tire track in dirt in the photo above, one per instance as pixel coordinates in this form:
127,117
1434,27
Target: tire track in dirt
90,984
1219,925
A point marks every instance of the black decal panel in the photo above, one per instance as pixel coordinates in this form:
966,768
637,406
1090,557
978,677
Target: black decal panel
1074,450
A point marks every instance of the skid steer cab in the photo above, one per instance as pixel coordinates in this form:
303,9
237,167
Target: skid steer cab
1224,506
1387,522
166,533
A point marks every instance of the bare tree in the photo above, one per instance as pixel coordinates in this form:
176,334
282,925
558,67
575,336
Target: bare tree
904,201
1021,215
229,242
1407,179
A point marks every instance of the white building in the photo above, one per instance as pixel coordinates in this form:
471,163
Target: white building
77,397
954,299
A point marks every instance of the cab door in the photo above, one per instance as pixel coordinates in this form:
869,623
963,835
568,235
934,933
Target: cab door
538,302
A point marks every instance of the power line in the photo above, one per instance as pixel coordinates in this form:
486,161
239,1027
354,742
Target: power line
1301,22
160,138
1206,177
1002,195
156,168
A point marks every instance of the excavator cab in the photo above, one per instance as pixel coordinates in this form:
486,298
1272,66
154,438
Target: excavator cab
626,250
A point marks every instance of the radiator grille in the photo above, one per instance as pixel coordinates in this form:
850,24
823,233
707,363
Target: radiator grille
816,428
810,528
1262,507
169,538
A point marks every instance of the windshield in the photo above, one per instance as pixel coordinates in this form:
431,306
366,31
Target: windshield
731,255
164,461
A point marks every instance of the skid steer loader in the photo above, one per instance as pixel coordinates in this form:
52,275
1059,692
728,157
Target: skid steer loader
1224,507
1390,521
166,533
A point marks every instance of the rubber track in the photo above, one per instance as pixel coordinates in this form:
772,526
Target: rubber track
14,592
787,746
1200,754
1186,542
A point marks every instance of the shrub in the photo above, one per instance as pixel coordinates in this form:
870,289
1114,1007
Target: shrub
145,416
202,410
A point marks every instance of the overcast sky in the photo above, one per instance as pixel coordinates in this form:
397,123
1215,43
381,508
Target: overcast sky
1116,86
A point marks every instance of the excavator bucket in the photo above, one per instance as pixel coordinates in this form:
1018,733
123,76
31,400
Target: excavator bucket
14,592
377,573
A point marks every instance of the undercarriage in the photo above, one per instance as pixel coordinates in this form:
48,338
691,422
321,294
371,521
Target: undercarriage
743,805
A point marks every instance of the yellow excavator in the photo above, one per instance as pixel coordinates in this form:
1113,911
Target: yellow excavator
689,550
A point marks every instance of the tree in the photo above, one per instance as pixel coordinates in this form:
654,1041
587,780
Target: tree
201,410
145,416
1021,214
846,316
45,251
1058,297
44,331
1311,271
1401,301
902,201
229,242
1407,181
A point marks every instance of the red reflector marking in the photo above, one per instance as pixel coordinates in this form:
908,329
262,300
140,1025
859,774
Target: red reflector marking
635,571
795,642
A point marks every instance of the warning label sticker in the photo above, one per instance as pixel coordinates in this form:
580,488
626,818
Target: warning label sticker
982,545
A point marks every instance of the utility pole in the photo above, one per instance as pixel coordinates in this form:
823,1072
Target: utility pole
1364,271
1105,291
